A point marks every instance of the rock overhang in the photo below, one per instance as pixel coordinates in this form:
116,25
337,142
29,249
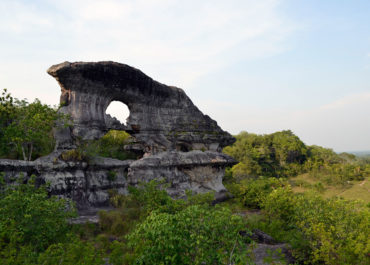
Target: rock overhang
180,144
161,117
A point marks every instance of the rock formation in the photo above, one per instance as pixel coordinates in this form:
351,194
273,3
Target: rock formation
179,143
161,117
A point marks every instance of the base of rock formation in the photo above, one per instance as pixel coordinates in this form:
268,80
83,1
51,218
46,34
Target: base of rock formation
88,183
181,145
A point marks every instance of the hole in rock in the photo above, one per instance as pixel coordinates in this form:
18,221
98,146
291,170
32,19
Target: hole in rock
183,148
117,144
118,110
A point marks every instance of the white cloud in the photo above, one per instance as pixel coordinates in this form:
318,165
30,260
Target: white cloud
19,18
106,10
175,41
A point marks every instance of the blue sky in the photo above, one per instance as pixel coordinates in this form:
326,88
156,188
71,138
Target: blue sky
259,66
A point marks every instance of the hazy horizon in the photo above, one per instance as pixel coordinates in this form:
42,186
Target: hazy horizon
256,66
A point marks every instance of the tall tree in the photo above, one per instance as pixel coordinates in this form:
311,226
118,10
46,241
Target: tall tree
26,127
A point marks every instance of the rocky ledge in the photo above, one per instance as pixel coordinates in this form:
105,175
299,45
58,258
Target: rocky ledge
180,144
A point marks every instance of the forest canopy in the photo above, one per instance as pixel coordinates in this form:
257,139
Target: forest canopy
283,154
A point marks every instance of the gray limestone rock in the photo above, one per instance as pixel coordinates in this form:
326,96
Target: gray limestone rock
161,117
180,144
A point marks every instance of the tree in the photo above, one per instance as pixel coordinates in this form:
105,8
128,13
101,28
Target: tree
7,112
26,127
194,235
30,220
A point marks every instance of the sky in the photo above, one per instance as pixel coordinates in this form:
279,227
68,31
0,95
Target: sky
252,65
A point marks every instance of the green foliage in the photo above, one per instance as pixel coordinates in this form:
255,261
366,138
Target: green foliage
76,155
72,252
118,223
337,231
194,235
25,128
135,207
140,202
110,145
7,108
282,154
321,231
148,197
112,175
30,221
251,193
155,229
277,154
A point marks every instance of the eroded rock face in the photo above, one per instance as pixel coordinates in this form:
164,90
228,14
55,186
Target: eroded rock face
161,117
182,145
85,183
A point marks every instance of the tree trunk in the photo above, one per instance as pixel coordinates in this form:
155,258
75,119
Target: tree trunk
30,151
24,154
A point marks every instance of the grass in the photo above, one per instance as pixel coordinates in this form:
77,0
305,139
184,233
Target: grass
354,190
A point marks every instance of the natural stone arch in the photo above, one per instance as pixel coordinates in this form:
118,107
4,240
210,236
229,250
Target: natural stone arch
179,144
118,110
160,116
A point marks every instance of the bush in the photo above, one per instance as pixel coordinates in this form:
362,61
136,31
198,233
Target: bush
194,235
146,198
26,128
278,154
30,221
110,145
282,154
337,231
74,252
76,155
251,193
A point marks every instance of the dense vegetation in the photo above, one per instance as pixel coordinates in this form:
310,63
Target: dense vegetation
26,133
148,227
278,187
25,128
282,154
112,145
320,231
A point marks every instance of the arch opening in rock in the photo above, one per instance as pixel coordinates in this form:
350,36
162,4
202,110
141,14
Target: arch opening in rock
182,147
119,111
117,144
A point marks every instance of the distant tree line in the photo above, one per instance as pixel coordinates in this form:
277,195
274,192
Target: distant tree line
283,154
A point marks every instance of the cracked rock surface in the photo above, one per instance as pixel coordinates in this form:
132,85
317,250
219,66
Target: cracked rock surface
180,144
161,117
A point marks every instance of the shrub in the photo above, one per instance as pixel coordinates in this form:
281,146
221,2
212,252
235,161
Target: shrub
73,252
112,175
30,220
76,155
252,192
337,231
146,198
136,206
110,145
194,235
